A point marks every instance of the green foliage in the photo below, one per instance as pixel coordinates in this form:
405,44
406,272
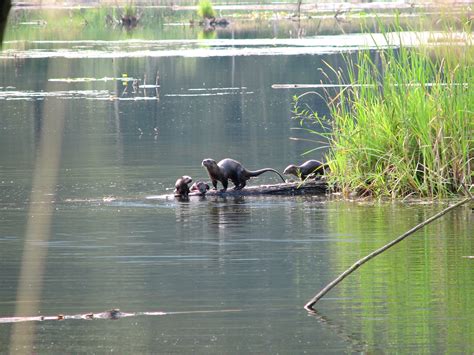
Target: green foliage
98,23
407,127
205,9
130,10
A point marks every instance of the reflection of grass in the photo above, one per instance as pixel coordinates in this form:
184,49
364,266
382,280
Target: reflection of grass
423,276
409,129
101,23
207,35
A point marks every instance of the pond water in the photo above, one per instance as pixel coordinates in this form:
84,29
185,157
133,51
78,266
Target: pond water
80,150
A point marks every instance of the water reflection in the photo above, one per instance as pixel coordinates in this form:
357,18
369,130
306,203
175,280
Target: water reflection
227,47
265,256
229,212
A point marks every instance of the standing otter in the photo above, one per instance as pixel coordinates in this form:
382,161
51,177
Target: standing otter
200,187
181,188
231,169
307,168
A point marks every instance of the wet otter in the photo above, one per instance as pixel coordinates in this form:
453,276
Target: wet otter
200,187
181,188
231,169
307,168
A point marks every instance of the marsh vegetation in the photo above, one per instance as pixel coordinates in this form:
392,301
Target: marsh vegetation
402,121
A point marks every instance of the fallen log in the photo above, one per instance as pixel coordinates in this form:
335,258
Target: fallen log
313,187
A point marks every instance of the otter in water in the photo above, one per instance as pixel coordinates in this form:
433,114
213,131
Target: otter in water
181,188
231,169
307,168
200,187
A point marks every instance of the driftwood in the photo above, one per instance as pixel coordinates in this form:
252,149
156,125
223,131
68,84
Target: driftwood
312,187
358,263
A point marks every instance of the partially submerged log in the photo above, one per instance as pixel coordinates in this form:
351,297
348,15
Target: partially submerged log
312,187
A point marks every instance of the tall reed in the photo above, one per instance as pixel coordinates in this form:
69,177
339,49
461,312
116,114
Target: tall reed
407,127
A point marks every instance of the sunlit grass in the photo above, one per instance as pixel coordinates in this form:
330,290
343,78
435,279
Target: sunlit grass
408,127
205,9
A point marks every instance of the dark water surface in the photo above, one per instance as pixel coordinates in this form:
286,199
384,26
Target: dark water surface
240,269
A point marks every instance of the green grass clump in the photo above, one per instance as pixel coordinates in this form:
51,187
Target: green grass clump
407,128
130,10
205,9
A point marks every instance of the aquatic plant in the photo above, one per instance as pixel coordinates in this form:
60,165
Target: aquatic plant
129,10
205,9
407,126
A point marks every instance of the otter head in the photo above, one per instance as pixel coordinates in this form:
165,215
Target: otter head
291,169
209,163
181,185
186,179
203,187
200,186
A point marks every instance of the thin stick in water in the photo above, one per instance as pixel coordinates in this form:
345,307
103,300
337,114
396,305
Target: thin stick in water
309,306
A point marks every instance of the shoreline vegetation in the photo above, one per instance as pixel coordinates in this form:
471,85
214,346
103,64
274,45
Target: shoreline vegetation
401,121
308,6
145,19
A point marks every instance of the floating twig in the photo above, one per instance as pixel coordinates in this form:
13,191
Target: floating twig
309,306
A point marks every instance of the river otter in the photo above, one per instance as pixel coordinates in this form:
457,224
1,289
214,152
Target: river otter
200,187
181,186
231,169
307,168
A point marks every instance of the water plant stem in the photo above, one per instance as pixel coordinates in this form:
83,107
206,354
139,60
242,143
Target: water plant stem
310,304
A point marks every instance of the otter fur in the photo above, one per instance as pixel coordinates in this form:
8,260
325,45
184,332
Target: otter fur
200,187
231,169
307,168
181,188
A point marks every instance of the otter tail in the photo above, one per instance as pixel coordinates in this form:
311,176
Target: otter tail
261,171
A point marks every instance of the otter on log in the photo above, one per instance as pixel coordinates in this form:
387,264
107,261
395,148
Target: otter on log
307,168
231,169
181,188
200,187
